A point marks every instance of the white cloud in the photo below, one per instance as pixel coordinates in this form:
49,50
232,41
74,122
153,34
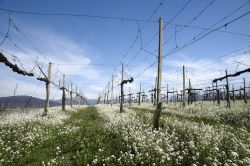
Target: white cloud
60,50
29,87
201,72
64,50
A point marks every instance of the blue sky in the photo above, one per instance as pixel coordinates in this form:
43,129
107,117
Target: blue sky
82,40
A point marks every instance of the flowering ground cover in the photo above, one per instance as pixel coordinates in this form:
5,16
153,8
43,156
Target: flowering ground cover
100,135
72,137
179,141
207,112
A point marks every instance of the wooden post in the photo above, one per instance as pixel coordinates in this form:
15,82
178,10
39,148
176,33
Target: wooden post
194,96
205,95
71,92
209,93
213,96
139,99
63,94
224,93
46,106
76,96
142,97
167,95
112,91
218,93
122,95
108,93
152,96
155,91
119,98
183,90
98,98
233,93
173,96
189,89
129,97
104,95
227,89
181,100
244,91
159,75
240,97
69,89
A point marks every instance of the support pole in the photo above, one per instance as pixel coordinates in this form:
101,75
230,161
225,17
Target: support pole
76,95
217,93
213,96
183,89
155,92
122,95
209,92
46,106
244,91
63,94
71,92
227,89
152,96
240,94
139,100
233,93
159,75
129,96
173,100
189,91
108,93
112,91
167,94
104,95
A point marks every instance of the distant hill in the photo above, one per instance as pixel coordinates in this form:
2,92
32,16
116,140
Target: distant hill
27,101
24,101
92,101
76,101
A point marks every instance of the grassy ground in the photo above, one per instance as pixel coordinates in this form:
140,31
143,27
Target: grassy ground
68,148
77,141
181,140
207,113
88,136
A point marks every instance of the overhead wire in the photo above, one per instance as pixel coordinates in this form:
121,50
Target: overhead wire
199,37
77,15
153,37
202,65
36,48
190,21
7,33
195,39
27,54
140,30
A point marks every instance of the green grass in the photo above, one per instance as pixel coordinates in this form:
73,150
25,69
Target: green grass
84,138
75,148
228,119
